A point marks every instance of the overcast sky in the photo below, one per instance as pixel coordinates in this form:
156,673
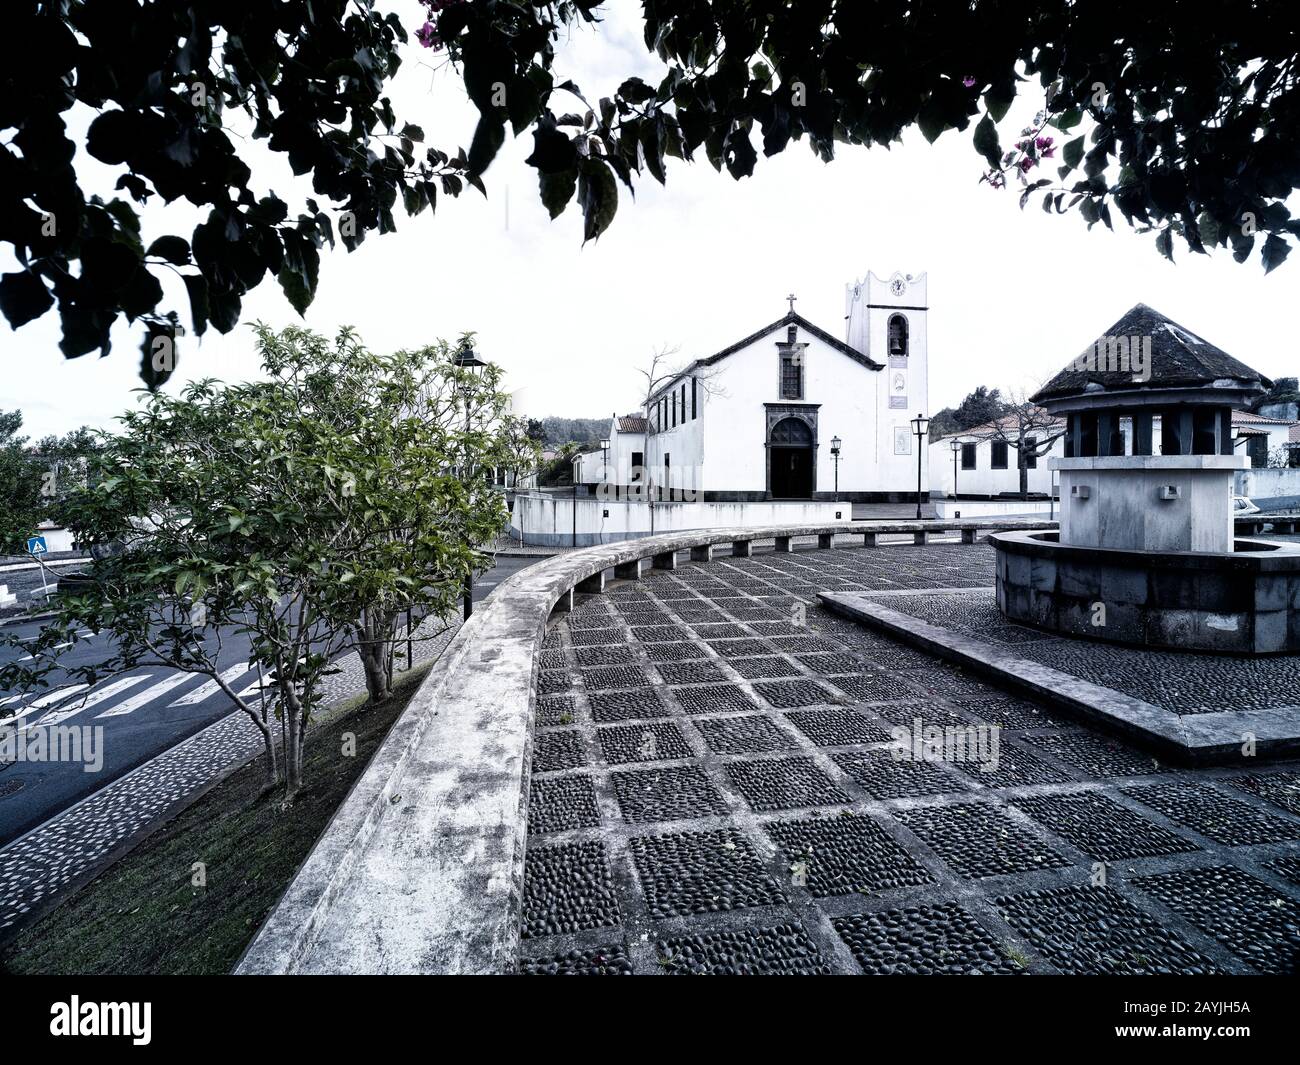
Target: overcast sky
696,265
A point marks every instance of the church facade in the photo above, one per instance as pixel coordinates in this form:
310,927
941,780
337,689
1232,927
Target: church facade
757,420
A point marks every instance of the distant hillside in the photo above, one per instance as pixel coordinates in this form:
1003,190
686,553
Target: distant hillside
573,430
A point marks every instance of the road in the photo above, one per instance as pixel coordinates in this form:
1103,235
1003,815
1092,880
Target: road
142,713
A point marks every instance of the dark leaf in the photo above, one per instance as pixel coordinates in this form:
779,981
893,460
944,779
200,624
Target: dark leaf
489,135
23,297
141,293
553,152
998,98
986,142
598,196
1165,244
1275,252
197,287
171,248
557,190
158,356
738,151
635,91
1072,153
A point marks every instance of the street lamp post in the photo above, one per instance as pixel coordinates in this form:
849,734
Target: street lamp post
473,367
920,426
955,444
835,454
604,463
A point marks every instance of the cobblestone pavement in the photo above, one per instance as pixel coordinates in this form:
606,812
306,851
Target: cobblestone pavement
713,790
66,849
1178,682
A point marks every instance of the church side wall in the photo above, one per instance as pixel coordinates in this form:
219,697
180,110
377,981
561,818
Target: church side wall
682,445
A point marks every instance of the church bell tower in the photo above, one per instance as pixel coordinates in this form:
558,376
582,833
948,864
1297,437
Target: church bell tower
887,321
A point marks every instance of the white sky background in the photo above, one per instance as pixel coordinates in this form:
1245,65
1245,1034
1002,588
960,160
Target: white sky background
699,264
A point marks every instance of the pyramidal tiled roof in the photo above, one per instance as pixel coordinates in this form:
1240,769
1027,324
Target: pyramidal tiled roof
1179,358
632,423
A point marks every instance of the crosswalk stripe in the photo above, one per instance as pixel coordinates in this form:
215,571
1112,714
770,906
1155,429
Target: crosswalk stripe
256,687
43,702
266,682
138,700
56,647
203,691
93,699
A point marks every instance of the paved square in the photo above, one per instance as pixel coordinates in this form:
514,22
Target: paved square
717,787
701,872
782,784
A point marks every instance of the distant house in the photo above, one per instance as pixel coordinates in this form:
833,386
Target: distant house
1263,436
621,466
984,465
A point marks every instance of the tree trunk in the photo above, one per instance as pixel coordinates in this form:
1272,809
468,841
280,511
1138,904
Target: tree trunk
293,748
268,737
374,646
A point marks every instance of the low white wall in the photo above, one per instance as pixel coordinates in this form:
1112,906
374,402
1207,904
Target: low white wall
951,510
548,520
56,539
1270,489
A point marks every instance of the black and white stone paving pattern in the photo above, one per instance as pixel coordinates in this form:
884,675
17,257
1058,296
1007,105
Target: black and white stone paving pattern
1175,681
65,850
715,789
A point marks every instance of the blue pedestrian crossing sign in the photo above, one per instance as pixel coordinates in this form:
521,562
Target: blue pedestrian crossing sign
36,545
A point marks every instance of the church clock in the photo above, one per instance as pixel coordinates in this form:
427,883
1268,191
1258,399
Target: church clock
898,286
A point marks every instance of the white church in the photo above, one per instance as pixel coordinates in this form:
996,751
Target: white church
761,420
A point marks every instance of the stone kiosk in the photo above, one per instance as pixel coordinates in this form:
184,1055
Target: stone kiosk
1146,553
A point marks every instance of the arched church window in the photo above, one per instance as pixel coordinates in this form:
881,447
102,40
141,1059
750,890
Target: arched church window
897,335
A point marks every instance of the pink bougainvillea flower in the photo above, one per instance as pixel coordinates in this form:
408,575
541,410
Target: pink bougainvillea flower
1027,164
969,81
1043,143
427,35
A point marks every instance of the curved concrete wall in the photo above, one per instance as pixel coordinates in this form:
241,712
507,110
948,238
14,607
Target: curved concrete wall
421,869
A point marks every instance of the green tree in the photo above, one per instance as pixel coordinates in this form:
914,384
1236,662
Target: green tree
1284,390
64,463
981,406
307,512
21,505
